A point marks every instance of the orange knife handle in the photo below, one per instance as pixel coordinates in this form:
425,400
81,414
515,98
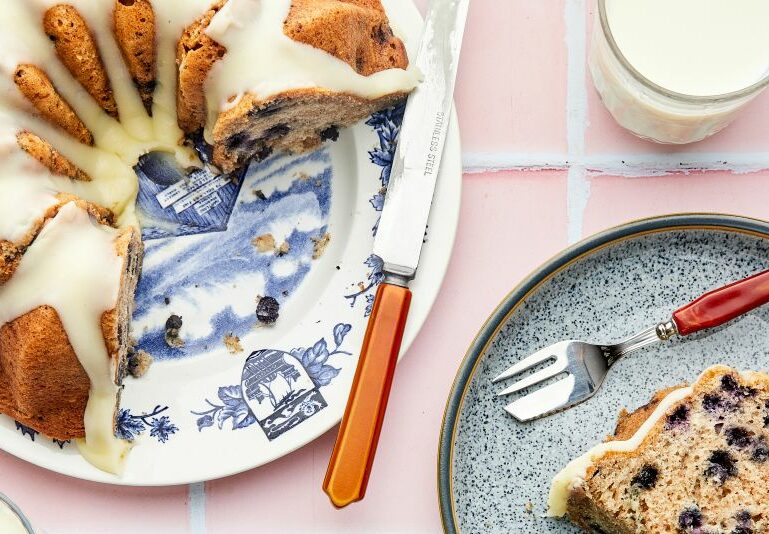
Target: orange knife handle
350,464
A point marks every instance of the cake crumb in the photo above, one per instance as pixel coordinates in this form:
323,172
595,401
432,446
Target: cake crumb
173,325
139,363
320,244
283,249
167,300
264,243
303,176
529,507
259,194
232,343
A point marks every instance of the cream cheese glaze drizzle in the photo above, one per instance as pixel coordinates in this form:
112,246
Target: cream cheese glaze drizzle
72,265
262,60
53,272
574,473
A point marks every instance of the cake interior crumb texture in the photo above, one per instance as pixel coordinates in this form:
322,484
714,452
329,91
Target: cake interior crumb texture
703,468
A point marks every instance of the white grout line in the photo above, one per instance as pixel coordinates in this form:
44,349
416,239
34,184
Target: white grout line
577,187
620,164
478,162
576,87
659,164
196,497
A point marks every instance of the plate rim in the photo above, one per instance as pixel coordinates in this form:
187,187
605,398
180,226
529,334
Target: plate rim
529,284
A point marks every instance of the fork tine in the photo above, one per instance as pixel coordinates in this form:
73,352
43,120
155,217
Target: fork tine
540,376
530,361
544,401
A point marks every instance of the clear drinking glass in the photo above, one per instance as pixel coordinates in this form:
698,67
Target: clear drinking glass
8,503
648,110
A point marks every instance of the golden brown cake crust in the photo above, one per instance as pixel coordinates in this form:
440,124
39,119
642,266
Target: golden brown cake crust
10,255
36,87
628,423
196,55
42,383
355,31
134,22
43,151
77,50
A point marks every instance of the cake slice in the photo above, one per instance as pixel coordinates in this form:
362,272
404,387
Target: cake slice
45,383
290,47
694,460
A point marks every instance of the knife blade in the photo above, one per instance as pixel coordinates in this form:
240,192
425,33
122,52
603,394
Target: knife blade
398,243
422,139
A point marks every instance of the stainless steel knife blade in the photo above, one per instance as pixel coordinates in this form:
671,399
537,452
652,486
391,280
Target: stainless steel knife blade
417,160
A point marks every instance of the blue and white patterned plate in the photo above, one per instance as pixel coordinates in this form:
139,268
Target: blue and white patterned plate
494,473
238,394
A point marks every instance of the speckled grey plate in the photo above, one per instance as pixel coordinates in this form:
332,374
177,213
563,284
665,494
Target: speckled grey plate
603,289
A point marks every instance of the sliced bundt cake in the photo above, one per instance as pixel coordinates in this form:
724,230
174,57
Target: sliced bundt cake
694,460
89,86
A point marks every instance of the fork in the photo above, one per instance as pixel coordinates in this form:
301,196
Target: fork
584,366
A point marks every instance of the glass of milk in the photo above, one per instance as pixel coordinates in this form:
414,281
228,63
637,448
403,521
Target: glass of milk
12,521
678,71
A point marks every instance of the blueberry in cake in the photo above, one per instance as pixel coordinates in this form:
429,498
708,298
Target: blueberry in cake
695,460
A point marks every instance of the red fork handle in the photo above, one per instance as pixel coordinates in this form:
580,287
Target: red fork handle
724,304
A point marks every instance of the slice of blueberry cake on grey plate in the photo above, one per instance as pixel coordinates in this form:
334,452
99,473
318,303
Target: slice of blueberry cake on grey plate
695,460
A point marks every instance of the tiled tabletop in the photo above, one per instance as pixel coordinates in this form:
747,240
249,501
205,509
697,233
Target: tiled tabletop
545,165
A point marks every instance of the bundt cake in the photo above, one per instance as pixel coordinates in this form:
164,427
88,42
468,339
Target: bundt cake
694,460
89,86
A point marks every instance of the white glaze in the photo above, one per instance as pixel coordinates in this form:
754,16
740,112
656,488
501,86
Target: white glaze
694,47
10,522
574,473
53,272
262,60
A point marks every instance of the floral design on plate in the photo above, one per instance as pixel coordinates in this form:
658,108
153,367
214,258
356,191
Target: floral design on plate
387,125
128,426
278,389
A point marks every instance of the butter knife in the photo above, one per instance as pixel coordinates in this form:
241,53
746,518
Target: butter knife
399,243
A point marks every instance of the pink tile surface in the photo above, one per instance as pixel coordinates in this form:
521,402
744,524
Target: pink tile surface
58,504
616,200
748,133
511,88
496,246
